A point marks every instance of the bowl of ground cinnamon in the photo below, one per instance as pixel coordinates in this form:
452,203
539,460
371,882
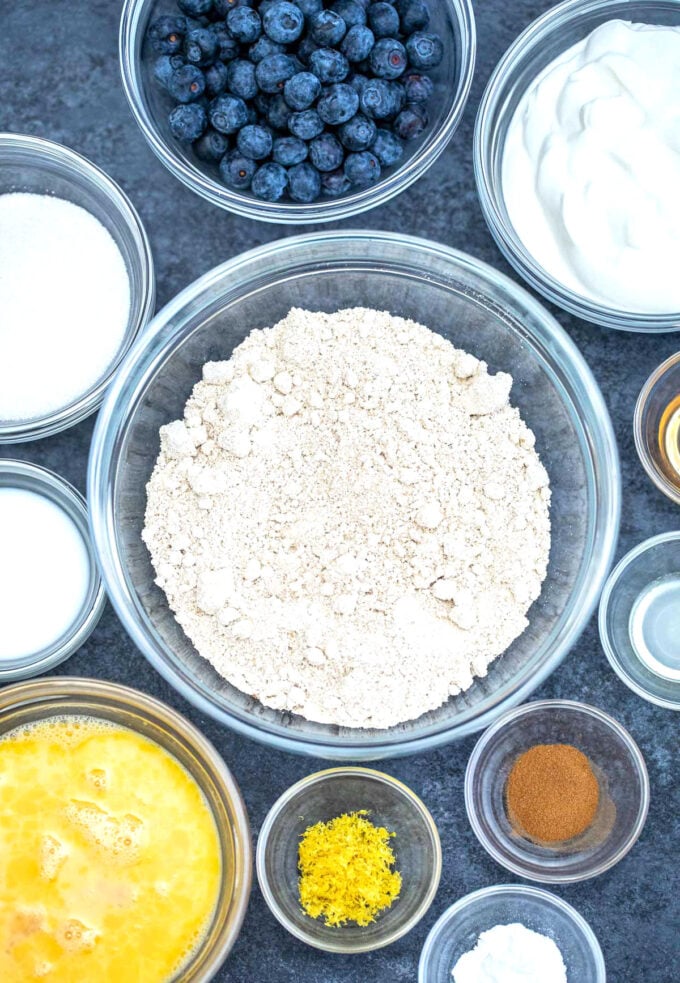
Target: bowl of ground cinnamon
557,791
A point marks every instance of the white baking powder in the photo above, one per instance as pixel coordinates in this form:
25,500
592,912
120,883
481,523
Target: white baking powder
64,304
44,572
511,954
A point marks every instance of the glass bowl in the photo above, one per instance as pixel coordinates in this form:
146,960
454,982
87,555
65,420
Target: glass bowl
460,926
30,477
618,766
452,19
26,702
639,620
39,166
469,303
560,27
322,797
654,424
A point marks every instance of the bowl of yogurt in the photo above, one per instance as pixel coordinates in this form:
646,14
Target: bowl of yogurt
577,160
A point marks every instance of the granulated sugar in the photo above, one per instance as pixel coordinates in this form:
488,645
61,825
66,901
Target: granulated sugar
351,521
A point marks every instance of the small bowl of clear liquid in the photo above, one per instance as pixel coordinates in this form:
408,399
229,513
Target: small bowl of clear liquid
639,620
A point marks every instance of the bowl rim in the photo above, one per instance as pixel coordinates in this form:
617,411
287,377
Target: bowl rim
55,689
618,664
319,778
68,162
291,212
520,890
491,197
493,733
646,459
607,504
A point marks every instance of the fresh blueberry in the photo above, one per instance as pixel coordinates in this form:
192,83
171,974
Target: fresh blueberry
216,79
283,22
353,14
237,171
327,28
278,113
357,81
424,50
166,35
201,46
309,7
388,58
305,49
164,66
212,146
383,20
255,142
329,65
270,182
358,133
335,183
222,7
413,15
381,99
357,43
227,47
387,147
273,72
228,113
362,169
305,125
418,88
244,24
338,104
264,47
186,84
289,150
301,90
241,80
326,152
304,183
187,123
194,8
411,121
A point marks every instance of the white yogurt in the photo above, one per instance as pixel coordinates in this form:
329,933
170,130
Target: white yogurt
591,167
44,573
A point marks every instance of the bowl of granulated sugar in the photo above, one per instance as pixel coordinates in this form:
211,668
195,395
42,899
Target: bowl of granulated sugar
76,285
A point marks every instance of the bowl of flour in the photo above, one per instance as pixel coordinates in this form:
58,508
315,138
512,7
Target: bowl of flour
354,509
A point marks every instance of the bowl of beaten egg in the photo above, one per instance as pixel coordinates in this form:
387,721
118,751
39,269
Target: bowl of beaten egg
133,862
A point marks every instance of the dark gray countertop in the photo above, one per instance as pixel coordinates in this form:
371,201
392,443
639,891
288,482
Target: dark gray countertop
60,80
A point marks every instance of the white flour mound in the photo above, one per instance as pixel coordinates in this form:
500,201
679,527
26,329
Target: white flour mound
351,521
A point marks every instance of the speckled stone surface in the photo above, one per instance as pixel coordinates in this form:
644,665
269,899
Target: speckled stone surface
60,75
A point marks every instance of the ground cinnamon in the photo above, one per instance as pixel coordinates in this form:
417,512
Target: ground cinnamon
552,793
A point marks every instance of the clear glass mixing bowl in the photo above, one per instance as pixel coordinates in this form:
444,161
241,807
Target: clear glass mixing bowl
466,301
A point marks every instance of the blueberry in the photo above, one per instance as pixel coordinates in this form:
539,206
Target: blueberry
255,142
326,152
357,81
270,182
216,78
335,183
201,46
304,183
424,50
244,24
212,146
166,35
237,171
418,88
357,43
353,14
164,66
411,121
358,133
381,99
289,150
264,47
388,58
305,125
309,7
283,22
273,72
186,84
227,47
194,8
301,90
362,169
228,113
329,65
338,104
413,15
327,28
242,81
383,20
187,123
387,147
305,49
278,113
222,7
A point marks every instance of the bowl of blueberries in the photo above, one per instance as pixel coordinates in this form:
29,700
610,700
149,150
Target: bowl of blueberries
297,111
